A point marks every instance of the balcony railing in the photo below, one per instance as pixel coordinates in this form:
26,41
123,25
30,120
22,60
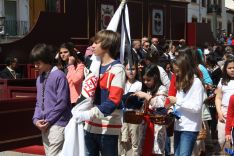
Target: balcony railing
214,8
16,28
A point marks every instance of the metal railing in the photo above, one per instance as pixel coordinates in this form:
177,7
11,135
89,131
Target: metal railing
16,28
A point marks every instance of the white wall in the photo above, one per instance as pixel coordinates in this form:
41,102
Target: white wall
2,8
195,11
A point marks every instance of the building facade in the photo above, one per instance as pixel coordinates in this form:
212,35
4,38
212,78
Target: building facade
201,11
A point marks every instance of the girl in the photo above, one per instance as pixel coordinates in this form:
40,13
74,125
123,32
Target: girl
223,92
72,66
188,87
156,96
131,131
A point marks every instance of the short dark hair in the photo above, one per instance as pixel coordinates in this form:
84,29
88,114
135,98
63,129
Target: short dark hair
10,60
43,52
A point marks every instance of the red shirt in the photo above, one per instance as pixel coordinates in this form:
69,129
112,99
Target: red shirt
230,116
172,89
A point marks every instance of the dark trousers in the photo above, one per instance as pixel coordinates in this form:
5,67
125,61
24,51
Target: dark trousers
107,145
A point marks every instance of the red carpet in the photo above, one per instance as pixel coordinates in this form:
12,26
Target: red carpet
36,149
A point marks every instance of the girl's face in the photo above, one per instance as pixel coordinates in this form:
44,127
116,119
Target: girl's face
148,81
131,73
176,70
97,49
64,54
230,69
168,68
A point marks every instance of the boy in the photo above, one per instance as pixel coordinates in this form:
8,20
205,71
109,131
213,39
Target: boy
53,108
103,121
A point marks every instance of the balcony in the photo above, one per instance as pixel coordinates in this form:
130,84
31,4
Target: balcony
16,28
214,8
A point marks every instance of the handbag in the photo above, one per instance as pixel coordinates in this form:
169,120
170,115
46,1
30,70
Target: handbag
202,133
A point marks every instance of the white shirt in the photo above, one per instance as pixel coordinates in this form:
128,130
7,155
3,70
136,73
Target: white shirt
189,105
227,91
13,73
172,56
132,87
164,77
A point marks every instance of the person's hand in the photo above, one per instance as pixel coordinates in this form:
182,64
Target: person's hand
170,110
83,116
172,99
142,95
228,137
42,125
71,60
221,117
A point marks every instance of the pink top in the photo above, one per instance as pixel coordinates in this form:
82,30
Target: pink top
89,51
75,77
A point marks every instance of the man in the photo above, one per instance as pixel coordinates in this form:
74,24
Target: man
9,72
182,43
154,44
144,39
145,48
136,46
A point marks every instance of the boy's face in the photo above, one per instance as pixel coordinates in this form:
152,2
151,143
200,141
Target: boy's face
98,50
41,66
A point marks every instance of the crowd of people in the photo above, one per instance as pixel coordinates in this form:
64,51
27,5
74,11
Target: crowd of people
167,76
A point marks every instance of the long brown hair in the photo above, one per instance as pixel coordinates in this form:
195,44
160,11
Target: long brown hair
185,80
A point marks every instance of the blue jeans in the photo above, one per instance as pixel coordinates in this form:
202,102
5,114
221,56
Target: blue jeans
107,145
167,146
184,142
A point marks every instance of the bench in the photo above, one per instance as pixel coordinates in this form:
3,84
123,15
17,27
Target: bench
18,88
17,129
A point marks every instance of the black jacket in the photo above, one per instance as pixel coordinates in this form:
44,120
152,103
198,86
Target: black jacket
6,74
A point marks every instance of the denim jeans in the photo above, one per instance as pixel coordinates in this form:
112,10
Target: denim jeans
167,146
107,145
184,142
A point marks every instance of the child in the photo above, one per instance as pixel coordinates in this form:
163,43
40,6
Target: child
103,121
74,69
223,92
229,122
132,130
53,109
156,96
188,87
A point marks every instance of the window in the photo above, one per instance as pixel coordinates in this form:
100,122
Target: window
194,19
229,27
220,25
203,3
208,3
220,3
203,20
209,21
